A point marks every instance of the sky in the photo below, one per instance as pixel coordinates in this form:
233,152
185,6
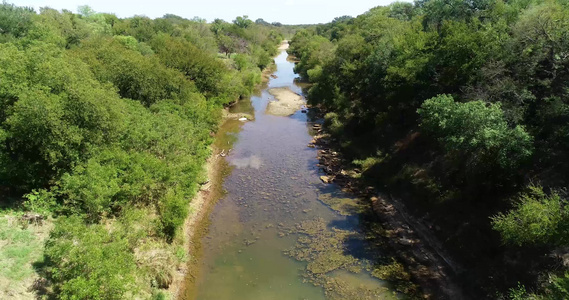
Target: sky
284,11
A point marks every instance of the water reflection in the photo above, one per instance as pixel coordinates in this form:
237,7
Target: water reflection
273,191
252,161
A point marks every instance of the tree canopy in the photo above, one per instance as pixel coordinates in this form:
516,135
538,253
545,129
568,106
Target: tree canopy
462,105
105,124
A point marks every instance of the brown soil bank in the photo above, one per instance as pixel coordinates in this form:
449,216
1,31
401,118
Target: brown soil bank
196,223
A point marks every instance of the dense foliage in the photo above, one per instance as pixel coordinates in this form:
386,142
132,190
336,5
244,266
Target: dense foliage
463,108
106,123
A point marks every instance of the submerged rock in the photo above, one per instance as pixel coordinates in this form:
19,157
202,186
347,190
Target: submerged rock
331,263
326,179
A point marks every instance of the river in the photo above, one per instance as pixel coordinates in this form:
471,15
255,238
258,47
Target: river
273,235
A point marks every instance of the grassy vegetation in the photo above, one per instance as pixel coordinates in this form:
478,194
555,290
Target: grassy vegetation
21,247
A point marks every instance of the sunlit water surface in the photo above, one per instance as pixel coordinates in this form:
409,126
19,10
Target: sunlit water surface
274,184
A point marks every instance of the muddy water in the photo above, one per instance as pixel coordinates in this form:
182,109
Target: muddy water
273,188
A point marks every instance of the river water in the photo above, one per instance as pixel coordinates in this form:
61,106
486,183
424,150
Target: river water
271,207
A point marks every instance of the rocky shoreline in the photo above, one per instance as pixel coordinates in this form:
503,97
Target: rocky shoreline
412,243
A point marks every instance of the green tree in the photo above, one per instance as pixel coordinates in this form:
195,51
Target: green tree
537,218
57,119
476,135
173,211
243,22
120,62
14,21
203,68
402,10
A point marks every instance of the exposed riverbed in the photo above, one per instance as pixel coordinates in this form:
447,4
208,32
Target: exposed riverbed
280,232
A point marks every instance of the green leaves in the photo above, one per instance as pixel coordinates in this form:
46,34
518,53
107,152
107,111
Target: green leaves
88,261
476,131
53,122
173,212
199,66
14,21
106,123
41,201
138,77
536,219
312,52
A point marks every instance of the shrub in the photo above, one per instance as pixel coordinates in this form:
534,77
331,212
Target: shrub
89,262
537,218
333,123
173,212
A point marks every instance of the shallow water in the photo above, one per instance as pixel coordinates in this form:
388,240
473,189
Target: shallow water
273,186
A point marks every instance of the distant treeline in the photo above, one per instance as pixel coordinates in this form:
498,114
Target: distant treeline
462,109
287,30
105,124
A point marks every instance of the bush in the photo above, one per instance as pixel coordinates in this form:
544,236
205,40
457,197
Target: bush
537,218
173,213
41,201
89,262
333,123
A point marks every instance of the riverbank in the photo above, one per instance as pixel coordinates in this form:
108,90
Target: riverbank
278,232
216,167
408,239
194,226
284,45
